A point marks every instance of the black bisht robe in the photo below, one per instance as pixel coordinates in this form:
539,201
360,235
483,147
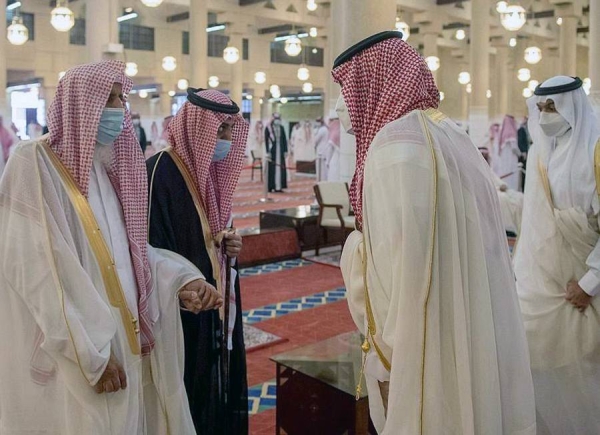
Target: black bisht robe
274,164
175,225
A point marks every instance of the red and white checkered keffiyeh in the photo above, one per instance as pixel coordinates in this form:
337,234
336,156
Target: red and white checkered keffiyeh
73,120
382,84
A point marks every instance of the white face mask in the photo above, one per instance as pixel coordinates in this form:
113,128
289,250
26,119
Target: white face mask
553,124
344,116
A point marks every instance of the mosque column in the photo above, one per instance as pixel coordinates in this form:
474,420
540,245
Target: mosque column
355,20
594,54
265,107
236,84
165,102
259,92
502,56
4,103
101,28
480,70
568,45
198,43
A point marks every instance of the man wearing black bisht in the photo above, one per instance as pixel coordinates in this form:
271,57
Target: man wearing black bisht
191,191
276,148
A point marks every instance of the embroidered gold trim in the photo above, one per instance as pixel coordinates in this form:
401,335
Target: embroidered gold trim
435,115
112,284
431,258
209,241
545,182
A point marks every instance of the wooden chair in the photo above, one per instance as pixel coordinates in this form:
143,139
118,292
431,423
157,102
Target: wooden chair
334,209
256,164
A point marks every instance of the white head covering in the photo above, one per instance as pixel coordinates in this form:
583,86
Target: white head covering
577,167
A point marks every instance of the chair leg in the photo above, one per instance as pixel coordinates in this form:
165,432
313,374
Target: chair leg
261,173
252,173
318,244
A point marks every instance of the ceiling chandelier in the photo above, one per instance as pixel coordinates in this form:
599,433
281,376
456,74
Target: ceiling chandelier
231,55
213,81
169,63
275,91
131,69
513,17
311,5
260,77
524,74
403,28
464,78
527,92
533,55
460,34
62,18
512,42
433,62
533,84
183,84
307,88
293,46
17,33
303,73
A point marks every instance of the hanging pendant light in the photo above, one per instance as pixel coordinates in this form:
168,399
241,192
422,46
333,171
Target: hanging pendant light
275,91
169,63
131,69
183,84
501,6
311,5
143,93
469,88
62,18
172,93
533,84
527,92
307,87
442,96
460,34
260,77
524,74
464,78
488,94
513,18
512,42
303,73
213,81
293,46
403,28
152,3
17,33
433,62
231,55
313,32
533,55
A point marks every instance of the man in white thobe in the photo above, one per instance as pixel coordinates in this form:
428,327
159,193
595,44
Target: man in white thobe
321,147
557,262
428,273
91,339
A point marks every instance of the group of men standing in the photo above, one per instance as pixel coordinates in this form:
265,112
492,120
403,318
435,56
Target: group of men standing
105,287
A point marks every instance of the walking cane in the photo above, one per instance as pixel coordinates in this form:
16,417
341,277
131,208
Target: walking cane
225,345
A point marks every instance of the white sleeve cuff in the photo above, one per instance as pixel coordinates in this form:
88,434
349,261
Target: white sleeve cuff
590,283
375,369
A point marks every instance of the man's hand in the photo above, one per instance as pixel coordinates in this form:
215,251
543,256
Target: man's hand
113,379
233,244
200,296
503,188
577,297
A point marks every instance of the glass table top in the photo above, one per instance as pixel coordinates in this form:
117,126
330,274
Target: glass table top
336,361
301,212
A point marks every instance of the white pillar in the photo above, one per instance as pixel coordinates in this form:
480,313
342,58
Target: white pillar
101,27
165,103
503,79
594,54
354,21
568,46
480,70
199,43
430,48
259,92
236,85
4,102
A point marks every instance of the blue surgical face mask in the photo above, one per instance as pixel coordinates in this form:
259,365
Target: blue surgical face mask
111,125
221,150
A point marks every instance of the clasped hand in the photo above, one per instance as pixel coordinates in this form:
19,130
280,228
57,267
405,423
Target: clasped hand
232,241
577,296
200,296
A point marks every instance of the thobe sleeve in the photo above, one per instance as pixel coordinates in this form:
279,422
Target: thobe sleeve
590,283
284,143
47,273
170,271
